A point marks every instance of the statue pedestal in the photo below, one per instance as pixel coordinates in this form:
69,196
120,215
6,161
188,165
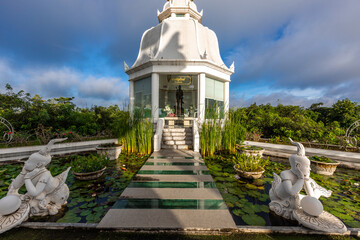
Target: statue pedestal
10,221
326,222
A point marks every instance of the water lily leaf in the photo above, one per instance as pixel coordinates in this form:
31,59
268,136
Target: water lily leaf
83,206
265,208
93,218
253,219
353,224
98,209
238,212
91,205
342,216
69,217
239,204
250,186
230,198
219,179
85,213
263,197
258,182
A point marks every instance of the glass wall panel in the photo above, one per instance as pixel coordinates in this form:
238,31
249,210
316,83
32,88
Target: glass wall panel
142,92
214,98
169,85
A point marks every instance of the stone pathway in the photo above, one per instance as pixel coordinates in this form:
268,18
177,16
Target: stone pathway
173,190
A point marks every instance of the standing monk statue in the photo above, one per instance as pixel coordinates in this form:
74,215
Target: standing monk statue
179,101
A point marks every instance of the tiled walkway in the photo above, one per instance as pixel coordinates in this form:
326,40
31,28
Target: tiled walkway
173,190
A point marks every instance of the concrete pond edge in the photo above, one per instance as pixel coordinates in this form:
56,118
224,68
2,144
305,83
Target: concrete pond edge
189,231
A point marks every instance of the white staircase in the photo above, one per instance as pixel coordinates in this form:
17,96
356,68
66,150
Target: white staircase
177,138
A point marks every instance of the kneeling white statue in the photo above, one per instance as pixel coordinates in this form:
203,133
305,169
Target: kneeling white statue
287,202
45,194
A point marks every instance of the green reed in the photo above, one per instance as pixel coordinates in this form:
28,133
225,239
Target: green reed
220,134
139,135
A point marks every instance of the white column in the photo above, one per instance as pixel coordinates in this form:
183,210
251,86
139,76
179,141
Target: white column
131,97
155,96
227,97
201,97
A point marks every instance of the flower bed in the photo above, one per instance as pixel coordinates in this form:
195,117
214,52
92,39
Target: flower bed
89,201
248,199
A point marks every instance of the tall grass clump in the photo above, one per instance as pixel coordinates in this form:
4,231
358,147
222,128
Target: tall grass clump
139,134
220,134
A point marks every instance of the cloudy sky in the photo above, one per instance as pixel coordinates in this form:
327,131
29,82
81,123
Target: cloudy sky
288,51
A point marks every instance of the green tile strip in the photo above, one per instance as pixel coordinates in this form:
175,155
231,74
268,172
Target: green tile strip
169,204
168,172
174,164
172,185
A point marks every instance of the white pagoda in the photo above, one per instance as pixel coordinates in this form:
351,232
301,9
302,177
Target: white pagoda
179,67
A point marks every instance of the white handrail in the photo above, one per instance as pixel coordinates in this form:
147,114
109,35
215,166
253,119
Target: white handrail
196,136
158,134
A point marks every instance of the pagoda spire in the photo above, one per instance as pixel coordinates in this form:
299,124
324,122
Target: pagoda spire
179,8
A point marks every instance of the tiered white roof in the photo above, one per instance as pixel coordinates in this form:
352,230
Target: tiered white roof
179,36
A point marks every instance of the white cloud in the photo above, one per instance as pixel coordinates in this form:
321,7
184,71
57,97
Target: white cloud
65,82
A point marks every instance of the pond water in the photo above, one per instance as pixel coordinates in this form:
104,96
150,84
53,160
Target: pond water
89,201
248,199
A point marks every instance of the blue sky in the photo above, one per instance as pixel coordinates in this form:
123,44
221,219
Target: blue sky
288,51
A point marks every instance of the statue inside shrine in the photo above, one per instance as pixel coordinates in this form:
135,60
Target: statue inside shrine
179,102
45,194
287,202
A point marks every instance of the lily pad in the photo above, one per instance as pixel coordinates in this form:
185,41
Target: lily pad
69,217
85,213
93,218
238,212
253,220
230,198
250,186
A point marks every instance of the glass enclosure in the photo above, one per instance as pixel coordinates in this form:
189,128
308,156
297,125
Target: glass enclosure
170,85
214,97
142,92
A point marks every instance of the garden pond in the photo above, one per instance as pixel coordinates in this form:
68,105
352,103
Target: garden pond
248,200
89,201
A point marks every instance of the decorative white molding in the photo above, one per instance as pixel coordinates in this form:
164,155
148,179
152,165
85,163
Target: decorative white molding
126,67
232,67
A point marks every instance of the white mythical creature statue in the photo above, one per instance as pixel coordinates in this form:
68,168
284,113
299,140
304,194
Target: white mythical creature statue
287,202
45,194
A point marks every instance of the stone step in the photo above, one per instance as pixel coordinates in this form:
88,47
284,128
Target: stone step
167,219
174,168
181,142
171,193
180,147
182,138
177,130
174,134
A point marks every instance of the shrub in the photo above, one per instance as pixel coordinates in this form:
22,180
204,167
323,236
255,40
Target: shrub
90,163
322,159
249,163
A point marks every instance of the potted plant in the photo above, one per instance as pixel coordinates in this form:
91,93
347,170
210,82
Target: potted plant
251,150
249,166
323,165
110,150
168,110
89,167
191,110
